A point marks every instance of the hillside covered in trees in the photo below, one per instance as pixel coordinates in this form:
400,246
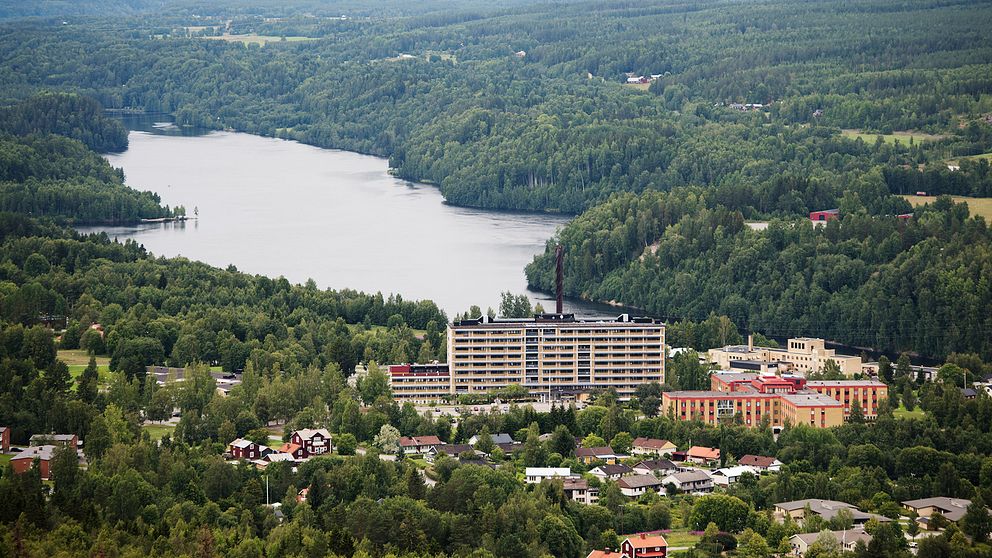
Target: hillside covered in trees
49,165
523,105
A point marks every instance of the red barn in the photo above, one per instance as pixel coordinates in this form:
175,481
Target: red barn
825,215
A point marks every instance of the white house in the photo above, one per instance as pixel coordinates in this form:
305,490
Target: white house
689,481
638,485
535,475
729,475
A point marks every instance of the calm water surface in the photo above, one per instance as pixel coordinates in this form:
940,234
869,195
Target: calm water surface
277,207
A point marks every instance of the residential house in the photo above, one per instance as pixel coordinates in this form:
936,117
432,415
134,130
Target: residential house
535,475
608,553
652,446
313,441
591,455
579,491
510,448
23,461
246,449
953,509
419,444
296,451
69,440
451,450
4,439
846,539
761,463
689,481
611,472
498,439
656,467
729,475
827,509
703,455
635,486
644,545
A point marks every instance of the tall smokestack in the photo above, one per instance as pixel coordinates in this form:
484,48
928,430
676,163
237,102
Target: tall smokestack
559,278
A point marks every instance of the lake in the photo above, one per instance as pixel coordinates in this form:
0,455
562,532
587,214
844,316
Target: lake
276,207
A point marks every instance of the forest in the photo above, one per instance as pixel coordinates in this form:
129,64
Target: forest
446,94
919,282
49,165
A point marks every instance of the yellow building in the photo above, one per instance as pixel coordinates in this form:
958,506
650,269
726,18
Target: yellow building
802,354
554,354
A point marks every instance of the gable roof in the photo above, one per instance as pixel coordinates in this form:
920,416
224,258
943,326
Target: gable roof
308,433
43,453
757,461
452,449
828,509
639,481
547,472
652,443
656,465
288,448
611,470
850,536
689,476
951,508
702,452
603,451
608,553
241,443
732,472
644,540
499,438
413,441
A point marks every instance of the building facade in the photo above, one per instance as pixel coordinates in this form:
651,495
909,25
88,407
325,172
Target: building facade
801,354
556,354
420,383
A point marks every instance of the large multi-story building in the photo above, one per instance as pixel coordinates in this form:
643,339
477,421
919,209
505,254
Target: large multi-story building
782,399
550,355
802,354
556,353
420,383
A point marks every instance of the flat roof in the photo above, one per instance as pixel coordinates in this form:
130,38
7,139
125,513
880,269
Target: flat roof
551,319
810,400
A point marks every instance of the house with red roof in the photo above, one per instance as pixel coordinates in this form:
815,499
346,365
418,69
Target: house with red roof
608,553
644,545
703,455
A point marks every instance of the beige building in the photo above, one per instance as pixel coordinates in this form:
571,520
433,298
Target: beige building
801,354
556,354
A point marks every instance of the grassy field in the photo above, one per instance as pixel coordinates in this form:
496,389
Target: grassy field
976,206
257,39
78,360
901,412
681,538
5,459
986,156
156,431
640,86
901,137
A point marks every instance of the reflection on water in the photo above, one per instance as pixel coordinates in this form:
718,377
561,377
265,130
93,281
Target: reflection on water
276,207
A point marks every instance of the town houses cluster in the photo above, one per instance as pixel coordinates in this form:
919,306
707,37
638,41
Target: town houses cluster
302,445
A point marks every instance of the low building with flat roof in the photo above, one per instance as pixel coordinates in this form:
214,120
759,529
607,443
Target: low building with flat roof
802,354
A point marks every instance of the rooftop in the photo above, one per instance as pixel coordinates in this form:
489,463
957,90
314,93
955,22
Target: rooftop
951,508
803,399
556,319
639,481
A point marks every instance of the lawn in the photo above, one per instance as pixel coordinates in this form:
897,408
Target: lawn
976,206
77,361
901,137
156,431
252,38
901,412
5,459
986,156
681,538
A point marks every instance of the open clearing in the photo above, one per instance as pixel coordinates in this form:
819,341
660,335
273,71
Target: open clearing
156,431
986,156
901,137
976,206
258,39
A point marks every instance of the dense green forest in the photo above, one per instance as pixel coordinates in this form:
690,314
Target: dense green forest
554,128
868,279
48,166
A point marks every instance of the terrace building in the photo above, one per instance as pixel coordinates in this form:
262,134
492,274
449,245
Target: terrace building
780,399
555,354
